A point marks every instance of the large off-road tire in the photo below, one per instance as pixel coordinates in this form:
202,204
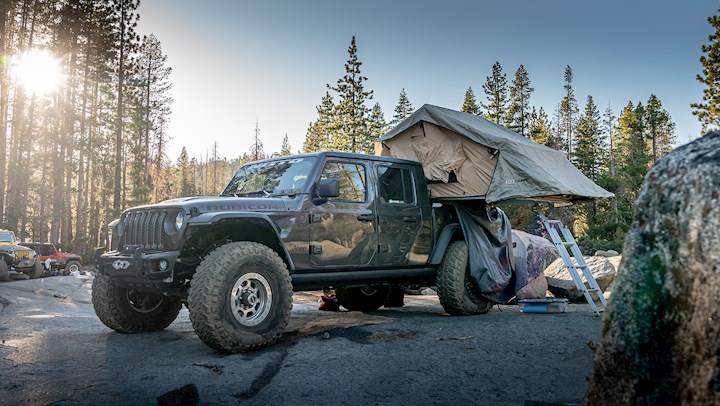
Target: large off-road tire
363,298
73,266
240,297
4,273
36,271
456,290
130,311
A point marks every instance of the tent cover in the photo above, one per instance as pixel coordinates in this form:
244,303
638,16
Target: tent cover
464,155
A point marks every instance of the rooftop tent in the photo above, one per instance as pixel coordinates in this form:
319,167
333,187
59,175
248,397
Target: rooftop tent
464,155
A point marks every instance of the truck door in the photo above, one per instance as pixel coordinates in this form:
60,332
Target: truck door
399,215
343,230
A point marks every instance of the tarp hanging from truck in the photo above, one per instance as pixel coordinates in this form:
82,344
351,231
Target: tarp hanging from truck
465,155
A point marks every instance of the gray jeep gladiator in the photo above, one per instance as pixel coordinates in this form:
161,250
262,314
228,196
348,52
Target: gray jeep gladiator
360,224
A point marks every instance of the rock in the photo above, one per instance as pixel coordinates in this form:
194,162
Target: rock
660,335
608,253
185,396
560,283
539,253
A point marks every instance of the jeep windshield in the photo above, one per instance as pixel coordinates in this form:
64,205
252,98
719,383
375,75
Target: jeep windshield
281,177
7,236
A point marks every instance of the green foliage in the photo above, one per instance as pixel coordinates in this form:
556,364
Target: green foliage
708,112
568,110
660,128
470,104
403,109
285,149
496,92
589,146
519,112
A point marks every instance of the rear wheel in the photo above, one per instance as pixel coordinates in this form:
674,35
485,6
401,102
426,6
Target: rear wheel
131,311
363,298
240,297
4,273
455,287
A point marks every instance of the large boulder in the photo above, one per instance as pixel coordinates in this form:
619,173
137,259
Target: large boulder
539,253
660,339
560,283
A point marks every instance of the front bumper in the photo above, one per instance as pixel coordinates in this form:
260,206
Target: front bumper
138,268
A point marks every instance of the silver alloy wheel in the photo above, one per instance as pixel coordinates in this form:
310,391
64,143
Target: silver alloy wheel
251,299
73,267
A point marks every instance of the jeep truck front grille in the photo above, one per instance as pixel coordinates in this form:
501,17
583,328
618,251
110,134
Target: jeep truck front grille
144,228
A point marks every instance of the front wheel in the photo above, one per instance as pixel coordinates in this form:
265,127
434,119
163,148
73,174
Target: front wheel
36,271
130,311
363,298
456,290
240,297
73,266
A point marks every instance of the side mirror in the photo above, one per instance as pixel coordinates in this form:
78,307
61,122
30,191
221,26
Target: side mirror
328,188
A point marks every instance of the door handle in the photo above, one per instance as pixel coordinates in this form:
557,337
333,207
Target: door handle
366,217
410,219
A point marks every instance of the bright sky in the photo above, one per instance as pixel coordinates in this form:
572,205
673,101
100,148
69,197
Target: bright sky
235,62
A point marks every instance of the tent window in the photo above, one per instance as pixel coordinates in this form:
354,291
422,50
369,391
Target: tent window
352,180
452,178
396,185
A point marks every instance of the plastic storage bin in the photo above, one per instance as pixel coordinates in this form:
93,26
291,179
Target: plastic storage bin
549,305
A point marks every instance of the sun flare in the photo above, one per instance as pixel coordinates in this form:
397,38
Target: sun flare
37,71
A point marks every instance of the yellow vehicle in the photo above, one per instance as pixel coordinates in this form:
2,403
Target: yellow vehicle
16,258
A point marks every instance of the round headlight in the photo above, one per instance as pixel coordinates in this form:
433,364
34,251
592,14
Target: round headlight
179,220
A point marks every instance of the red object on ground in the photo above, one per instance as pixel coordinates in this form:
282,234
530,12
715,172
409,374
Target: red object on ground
329,303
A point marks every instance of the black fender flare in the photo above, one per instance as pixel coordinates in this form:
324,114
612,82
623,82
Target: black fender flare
259,222
443,242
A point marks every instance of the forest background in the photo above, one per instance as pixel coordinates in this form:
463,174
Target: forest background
74,156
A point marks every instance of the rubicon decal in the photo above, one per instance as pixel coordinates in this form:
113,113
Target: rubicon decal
241,207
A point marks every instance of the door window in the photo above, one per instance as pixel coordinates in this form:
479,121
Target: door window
352,180
396,186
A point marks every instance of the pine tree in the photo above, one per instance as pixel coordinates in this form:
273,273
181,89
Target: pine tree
496,92
351,112
588,141
403,109
470,103
633,157
377,126
321,130
660,128
540,130
568,110
519,111
285,149
708,112
609,129
185,177
256,149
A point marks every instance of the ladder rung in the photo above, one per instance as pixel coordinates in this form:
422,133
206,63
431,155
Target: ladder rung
568,244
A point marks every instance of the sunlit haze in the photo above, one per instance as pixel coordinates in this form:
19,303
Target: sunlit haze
37,71
238,62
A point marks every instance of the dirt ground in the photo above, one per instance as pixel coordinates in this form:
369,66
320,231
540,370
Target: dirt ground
54,350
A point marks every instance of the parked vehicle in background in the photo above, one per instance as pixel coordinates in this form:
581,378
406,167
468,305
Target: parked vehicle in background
17,258
67,261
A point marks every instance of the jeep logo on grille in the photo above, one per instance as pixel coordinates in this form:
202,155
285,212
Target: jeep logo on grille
120,264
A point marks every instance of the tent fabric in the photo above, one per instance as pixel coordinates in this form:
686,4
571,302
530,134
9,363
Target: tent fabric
466,155
498,269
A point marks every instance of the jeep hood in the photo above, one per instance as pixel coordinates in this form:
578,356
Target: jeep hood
214,204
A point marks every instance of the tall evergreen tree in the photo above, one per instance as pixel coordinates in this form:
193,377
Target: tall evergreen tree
470,103
568,110
588,141
376,126
633,156
540,129
496,92
321,131
519,111
708,112
351,112
185,178
609,129
403,109
257,151
285,149
660,128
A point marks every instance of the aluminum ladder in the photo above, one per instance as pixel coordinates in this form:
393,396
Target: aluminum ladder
562,243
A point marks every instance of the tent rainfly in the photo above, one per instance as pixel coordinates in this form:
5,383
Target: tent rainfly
467,156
